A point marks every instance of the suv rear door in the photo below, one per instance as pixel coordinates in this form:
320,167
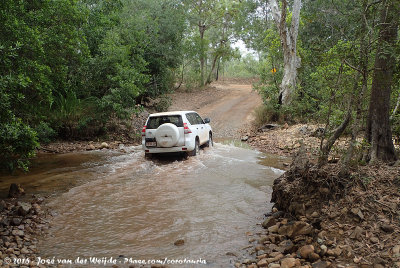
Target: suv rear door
155,121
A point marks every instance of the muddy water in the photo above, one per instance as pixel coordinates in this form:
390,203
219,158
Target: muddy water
121,204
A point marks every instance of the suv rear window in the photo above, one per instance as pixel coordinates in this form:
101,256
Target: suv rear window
155,121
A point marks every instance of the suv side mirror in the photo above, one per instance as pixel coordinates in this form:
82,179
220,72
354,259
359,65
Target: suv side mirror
207,120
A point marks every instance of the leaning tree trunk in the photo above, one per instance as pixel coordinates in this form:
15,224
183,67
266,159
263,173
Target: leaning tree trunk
289,45
378,133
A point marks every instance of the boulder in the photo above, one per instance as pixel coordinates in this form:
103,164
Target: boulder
15,191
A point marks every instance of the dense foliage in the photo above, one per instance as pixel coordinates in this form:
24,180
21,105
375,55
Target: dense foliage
69,67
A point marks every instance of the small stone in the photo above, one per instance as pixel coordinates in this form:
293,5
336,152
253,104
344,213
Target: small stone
17,233
396,251
179,242
324,249
336,252
91,147
269,222
274,228
357,212
259,247
315,214
295,229
275,258
23,208
313,257
321,264
25,251
357,233
274,265
104,145
306,250
16,221
289,262
287,247
262,263
374,239
244,138
231,254
3,205
387,228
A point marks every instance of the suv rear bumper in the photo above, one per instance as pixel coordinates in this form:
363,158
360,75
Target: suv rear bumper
158,150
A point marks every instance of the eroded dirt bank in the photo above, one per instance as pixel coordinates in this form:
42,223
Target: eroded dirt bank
321,219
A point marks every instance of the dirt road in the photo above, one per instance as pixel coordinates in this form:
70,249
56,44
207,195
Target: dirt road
229,105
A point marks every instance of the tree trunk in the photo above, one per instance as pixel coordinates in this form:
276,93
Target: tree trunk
217,74
378,133
209,80
201,30
359,95
289,45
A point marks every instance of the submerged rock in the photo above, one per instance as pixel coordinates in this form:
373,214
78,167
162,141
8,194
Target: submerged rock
179,242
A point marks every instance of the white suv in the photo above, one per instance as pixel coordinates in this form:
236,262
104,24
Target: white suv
179,131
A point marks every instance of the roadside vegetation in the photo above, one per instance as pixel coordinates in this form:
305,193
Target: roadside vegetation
75,69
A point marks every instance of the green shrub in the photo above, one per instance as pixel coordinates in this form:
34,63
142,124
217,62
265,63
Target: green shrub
18,142
163,103
264,114
45,133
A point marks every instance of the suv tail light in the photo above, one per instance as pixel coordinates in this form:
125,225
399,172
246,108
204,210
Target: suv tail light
144,131
186,129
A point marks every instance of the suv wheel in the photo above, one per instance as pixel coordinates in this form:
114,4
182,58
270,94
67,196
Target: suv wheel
210,142
196,149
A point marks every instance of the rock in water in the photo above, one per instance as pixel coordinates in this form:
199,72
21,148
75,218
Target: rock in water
15,191
179,242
